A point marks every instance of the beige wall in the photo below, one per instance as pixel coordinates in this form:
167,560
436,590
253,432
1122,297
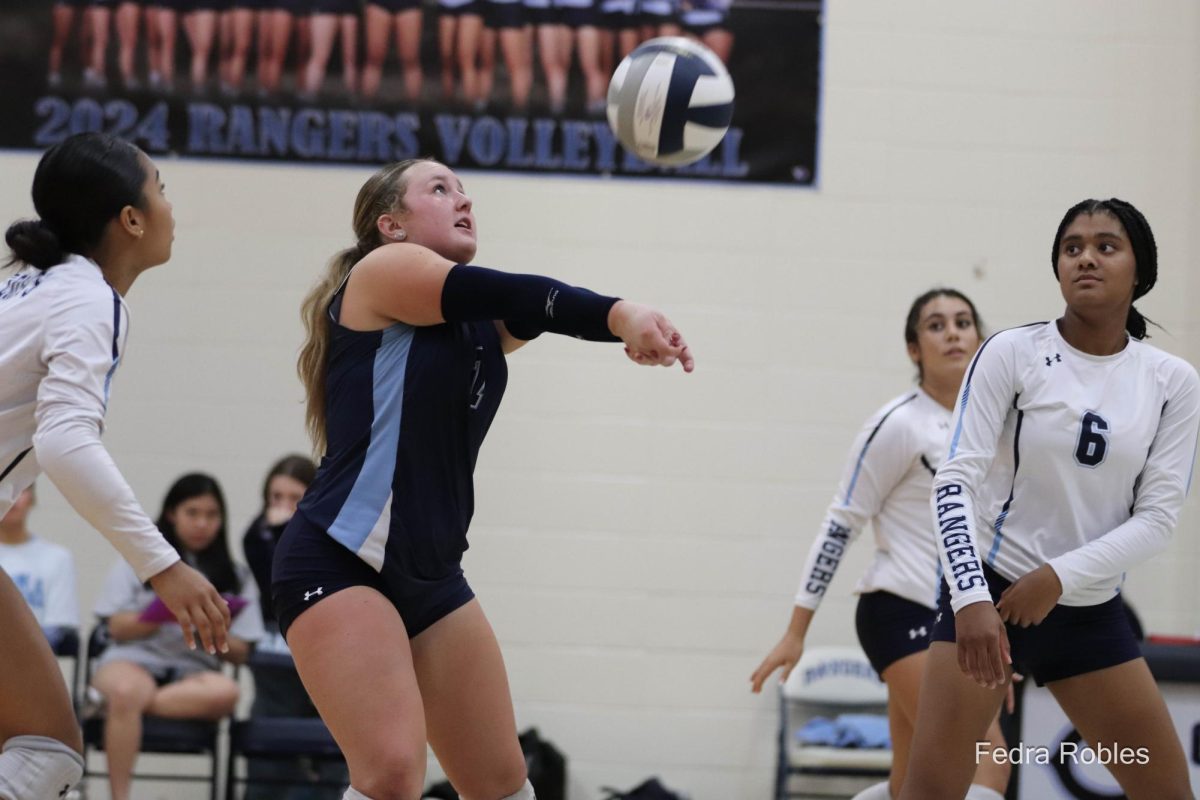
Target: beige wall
639,533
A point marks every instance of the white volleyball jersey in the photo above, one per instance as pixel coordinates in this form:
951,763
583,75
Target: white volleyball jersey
886,482
62,335
1066,458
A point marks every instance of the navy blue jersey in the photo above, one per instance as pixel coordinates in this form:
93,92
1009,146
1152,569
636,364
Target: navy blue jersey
406,411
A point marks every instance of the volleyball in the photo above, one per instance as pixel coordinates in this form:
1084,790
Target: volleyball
670,101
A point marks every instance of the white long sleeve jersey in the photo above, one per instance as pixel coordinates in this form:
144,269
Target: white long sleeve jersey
886,482
1065,458
62,335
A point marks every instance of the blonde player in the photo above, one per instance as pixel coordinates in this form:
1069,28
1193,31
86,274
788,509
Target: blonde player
886,483
1070,457
405,368
103,220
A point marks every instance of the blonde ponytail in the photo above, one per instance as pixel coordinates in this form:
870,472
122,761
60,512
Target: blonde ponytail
383,193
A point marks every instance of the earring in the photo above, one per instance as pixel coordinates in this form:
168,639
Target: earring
398,236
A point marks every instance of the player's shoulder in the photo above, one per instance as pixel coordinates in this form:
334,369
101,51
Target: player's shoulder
897,415
77,284
1175,370
1020,337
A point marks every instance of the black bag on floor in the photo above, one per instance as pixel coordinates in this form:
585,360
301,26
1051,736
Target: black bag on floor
547,768
651,789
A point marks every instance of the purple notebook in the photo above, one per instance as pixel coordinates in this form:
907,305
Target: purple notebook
158,611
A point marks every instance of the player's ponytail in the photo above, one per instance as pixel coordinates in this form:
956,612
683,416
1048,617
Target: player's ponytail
383,193
80,185
33,242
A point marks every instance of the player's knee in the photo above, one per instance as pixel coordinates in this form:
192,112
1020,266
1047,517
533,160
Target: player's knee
34,767
398,775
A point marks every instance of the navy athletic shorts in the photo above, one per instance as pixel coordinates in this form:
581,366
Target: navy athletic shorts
891,627
395,6
1070,641
504,15
310,565
340,8
580,17
473,8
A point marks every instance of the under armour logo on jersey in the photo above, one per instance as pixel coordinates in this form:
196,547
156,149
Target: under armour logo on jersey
317,592
1050,362
938,618
64,791
550,298
913,633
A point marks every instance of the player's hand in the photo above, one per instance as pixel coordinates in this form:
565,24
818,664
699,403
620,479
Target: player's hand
650,338
784,655
196,604
983,651
1031,597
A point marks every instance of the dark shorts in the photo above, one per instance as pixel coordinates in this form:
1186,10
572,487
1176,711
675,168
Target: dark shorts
1070,641
395,6
618,20
338,7
580,17
71,3
474,8
537,15
294,7
891,627
310,566
504,15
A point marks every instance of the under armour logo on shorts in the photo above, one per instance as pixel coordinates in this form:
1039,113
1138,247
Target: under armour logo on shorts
915,632
317,592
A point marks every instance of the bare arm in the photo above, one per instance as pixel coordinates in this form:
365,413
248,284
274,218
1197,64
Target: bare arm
124,626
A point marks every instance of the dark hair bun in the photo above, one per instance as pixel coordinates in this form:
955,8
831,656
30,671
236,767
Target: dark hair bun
32,242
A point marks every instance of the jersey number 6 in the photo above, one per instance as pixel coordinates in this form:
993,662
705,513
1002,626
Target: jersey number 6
1093,444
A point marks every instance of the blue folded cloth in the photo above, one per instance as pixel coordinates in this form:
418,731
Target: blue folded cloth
848,730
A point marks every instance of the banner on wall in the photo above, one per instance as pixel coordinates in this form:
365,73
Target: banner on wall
512,85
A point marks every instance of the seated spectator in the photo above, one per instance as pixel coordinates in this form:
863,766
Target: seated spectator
277,690
44,572
149,669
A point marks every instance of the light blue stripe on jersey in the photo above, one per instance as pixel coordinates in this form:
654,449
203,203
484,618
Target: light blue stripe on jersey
373,487
866,444
995,548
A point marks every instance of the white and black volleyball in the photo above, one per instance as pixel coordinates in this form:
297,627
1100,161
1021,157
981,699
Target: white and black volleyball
670,101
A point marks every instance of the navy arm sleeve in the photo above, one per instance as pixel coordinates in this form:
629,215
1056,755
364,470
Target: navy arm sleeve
528,304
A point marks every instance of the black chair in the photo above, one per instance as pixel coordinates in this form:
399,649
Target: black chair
160,736
64,642
283,739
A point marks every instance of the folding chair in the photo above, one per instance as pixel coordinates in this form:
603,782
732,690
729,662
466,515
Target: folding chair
160,736
64,642
826,682
280,739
